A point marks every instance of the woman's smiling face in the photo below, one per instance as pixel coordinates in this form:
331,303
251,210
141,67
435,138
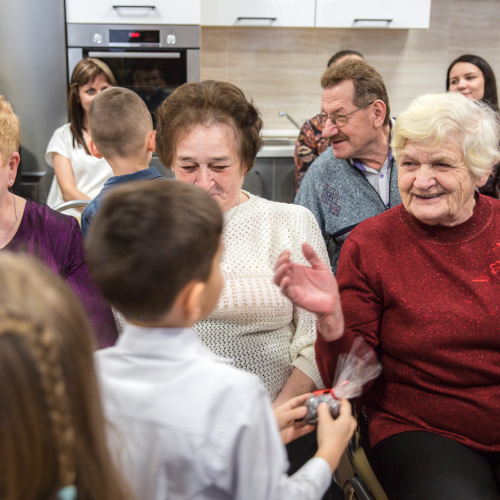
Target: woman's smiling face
467,79
436,186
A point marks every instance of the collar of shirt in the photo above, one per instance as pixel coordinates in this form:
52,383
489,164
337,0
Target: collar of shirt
168,343
379,179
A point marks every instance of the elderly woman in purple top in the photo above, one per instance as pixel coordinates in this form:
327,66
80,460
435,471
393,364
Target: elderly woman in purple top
56,239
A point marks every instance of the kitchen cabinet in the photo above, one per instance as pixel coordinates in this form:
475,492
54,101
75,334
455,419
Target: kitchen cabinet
370,14
133,11
262,13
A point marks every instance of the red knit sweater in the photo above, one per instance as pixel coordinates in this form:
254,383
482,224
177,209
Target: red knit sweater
427,299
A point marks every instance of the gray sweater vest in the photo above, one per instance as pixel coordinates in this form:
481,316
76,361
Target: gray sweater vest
340,197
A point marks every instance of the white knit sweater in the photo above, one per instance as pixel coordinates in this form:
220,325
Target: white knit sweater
253,324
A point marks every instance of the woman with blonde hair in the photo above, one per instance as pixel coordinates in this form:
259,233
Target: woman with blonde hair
78,174
56,239
52,425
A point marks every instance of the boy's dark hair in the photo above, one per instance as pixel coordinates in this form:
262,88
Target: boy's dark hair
148,241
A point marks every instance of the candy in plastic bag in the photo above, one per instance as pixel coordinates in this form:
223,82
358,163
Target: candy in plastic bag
353,371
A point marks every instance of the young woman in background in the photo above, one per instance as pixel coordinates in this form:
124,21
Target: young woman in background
473,77
78,174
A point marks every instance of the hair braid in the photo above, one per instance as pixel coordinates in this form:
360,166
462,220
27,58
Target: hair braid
44,349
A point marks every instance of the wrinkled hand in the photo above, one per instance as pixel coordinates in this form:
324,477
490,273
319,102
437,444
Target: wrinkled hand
287,415
313,288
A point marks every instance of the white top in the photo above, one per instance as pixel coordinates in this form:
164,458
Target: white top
253,324
189,427
90,173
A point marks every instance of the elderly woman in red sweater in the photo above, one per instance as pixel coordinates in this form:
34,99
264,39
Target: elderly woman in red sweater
421,284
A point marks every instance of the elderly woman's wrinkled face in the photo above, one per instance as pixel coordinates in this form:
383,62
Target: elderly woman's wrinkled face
467,79
208,157
436,186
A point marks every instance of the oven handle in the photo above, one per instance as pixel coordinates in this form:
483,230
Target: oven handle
134,55
152,7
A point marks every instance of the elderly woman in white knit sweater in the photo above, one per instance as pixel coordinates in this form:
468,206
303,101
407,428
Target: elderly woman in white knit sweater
209,135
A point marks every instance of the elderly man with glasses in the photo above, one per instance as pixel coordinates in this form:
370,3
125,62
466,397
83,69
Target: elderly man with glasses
355,178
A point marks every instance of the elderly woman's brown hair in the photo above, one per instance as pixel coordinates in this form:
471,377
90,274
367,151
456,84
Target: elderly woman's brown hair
207,103
368,83
52,425
85,71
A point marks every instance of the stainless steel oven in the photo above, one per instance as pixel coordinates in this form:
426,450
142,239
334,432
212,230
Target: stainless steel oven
152,60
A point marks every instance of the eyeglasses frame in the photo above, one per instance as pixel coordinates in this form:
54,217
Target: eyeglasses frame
334,116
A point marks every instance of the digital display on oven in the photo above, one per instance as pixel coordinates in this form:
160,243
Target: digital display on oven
134,36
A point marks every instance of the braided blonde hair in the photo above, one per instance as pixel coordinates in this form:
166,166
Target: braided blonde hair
51,425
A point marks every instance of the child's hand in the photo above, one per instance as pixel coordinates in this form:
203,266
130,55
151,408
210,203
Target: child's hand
334,435
287,415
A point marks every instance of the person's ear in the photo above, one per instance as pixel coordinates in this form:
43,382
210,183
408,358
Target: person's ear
12,165
379,112
481,181
93,149
189,302
152,141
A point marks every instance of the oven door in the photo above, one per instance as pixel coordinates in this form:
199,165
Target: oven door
153,73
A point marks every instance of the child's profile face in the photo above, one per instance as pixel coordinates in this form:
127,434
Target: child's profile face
213,286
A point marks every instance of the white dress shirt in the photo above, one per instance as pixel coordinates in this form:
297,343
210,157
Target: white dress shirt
189,426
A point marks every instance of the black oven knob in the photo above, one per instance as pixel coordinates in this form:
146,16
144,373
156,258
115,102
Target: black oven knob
171,39
97,38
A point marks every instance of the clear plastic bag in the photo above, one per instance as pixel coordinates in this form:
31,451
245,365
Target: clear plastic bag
353,371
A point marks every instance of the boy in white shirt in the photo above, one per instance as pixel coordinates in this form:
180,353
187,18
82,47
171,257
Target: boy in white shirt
189,425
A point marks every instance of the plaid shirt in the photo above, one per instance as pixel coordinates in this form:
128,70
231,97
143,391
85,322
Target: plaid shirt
310,145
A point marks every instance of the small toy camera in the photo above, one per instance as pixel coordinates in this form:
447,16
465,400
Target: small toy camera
312,403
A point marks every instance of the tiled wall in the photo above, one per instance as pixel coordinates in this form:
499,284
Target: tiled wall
280,68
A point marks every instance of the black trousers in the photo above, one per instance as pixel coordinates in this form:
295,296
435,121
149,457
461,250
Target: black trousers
299,452
420,465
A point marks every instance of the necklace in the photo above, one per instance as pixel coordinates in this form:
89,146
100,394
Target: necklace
13,225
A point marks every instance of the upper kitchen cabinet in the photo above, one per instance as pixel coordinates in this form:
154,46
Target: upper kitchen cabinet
133,11
370,14
290,13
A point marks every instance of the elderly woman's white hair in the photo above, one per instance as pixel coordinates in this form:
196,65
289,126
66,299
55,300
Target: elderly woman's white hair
432,119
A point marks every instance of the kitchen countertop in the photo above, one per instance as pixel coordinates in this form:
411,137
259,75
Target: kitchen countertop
278,143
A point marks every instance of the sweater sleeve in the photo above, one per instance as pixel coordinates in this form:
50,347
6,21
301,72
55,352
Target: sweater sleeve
78,278
308,196
362,306
302,346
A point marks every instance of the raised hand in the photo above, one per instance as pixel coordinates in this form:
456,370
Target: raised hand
313,288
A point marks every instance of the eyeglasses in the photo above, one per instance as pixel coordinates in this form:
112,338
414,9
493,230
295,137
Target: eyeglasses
338,119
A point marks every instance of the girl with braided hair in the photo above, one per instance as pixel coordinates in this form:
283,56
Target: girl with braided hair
53,444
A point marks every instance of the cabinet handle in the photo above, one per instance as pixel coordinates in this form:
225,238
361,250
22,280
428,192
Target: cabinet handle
373,20
134,55
272,19
134,7
257,18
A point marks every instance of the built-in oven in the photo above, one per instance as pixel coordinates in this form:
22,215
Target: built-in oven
152,60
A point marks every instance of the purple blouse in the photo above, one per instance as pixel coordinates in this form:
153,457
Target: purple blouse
57,240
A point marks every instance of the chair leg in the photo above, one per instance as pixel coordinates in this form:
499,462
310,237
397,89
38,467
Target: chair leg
355,489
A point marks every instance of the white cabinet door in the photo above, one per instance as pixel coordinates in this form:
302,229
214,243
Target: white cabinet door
133,11
373,14
292,13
